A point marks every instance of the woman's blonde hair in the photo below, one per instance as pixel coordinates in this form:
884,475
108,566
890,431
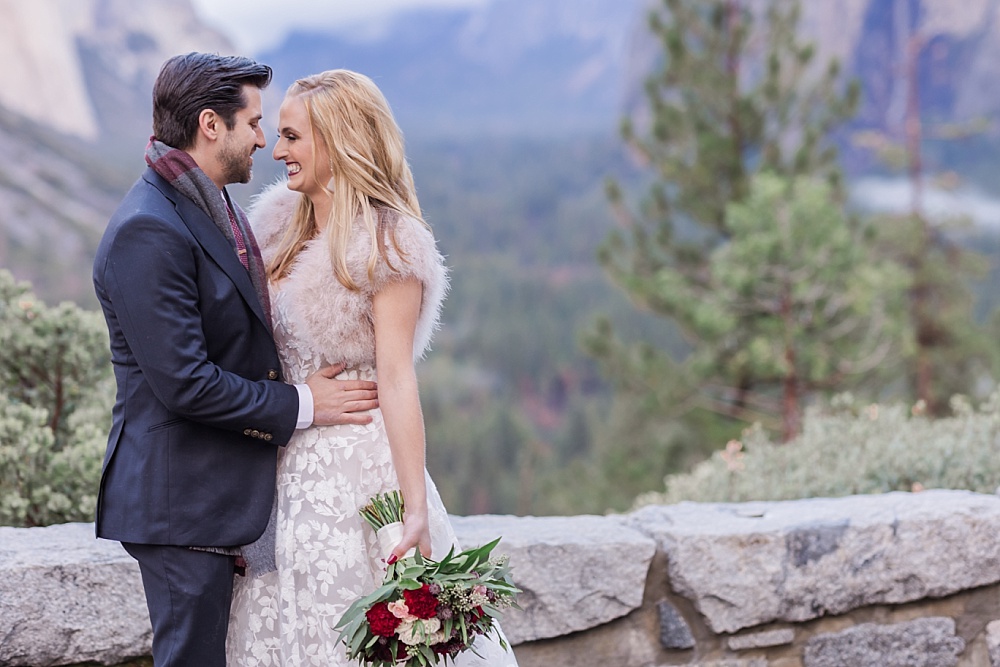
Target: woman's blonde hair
350,117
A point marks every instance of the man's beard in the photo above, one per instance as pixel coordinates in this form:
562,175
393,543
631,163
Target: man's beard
236,164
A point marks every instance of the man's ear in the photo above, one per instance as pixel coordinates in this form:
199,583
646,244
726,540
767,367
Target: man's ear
209,124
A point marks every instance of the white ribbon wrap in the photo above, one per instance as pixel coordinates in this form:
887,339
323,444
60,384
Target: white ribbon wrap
389,536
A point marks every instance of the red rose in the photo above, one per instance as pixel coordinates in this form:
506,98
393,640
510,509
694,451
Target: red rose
381,620
421,602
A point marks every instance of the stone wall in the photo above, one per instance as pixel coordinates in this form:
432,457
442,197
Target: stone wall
905,580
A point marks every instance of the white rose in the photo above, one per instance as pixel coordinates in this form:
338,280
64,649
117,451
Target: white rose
416,632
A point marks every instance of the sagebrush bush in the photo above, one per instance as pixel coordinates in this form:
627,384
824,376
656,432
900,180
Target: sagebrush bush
850,448
56,391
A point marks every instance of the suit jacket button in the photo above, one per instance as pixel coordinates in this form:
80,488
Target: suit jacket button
268,437
247,431
255,433
272,374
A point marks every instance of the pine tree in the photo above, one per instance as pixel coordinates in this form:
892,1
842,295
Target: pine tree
802,304
951,352
736,94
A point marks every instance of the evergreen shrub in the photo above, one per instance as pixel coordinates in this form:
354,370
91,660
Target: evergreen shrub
851,448
56,391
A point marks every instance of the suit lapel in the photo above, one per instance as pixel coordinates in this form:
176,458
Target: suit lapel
212,240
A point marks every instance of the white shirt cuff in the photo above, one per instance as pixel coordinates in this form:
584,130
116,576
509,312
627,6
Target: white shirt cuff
305,406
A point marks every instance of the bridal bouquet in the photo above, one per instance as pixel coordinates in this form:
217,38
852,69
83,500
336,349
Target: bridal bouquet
426,611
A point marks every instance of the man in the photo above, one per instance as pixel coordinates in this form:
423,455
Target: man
201,408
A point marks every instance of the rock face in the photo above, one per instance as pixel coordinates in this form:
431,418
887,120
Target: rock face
762,639
83,67
745,565
925,642
958,64
576,572
66,597
674,630
43,77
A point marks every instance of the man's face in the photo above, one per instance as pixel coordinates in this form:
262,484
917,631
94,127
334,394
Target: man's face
239,143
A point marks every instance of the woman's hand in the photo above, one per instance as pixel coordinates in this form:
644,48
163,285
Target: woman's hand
416,533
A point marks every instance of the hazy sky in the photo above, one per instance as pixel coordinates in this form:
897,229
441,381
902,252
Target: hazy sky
257,24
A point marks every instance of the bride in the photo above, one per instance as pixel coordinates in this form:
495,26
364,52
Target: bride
354,277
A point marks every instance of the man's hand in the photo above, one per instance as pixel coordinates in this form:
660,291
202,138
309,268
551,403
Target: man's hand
341,401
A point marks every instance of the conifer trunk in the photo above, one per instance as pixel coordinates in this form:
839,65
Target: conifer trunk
790,384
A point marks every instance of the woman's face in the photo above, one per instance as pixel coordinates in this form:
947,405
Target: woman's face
296,147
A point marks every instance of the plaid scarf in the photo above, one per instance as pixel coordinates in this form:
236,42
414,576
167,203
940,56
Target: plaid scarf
181,171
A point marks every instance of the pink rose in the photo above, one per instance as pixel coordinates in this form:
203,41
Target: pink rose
401,611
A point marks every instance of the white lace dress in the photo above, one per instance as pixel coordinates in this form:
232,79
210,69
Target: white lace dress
326,554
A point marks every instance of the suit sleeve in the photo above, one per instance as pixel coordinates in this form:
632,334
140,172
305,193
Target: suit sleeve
151,278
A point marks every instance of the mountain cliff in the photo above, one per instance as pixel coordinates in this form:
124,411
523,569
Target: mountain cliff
84,67
957,66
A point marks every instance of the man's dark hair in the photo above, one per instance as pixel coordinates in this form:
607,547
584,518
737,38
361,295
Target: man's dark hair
189,84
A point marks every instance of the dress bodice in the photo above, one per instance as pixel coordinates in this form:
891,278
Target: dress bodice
298,361
320,318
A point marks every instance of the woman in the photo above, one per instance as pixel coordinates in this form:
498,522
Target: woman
355,276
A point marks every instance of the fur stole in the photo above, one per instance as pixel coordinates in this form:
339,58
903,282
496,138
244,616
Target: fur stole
334,321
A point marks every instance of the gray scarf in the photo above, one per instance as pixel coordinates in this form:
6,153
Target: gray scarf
182,172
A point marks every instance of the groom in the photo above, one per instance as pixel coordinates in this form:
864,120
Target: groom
201,407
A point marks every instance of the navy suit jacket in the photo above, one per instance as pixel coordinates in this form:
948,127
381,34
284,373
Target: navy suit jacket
201,407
